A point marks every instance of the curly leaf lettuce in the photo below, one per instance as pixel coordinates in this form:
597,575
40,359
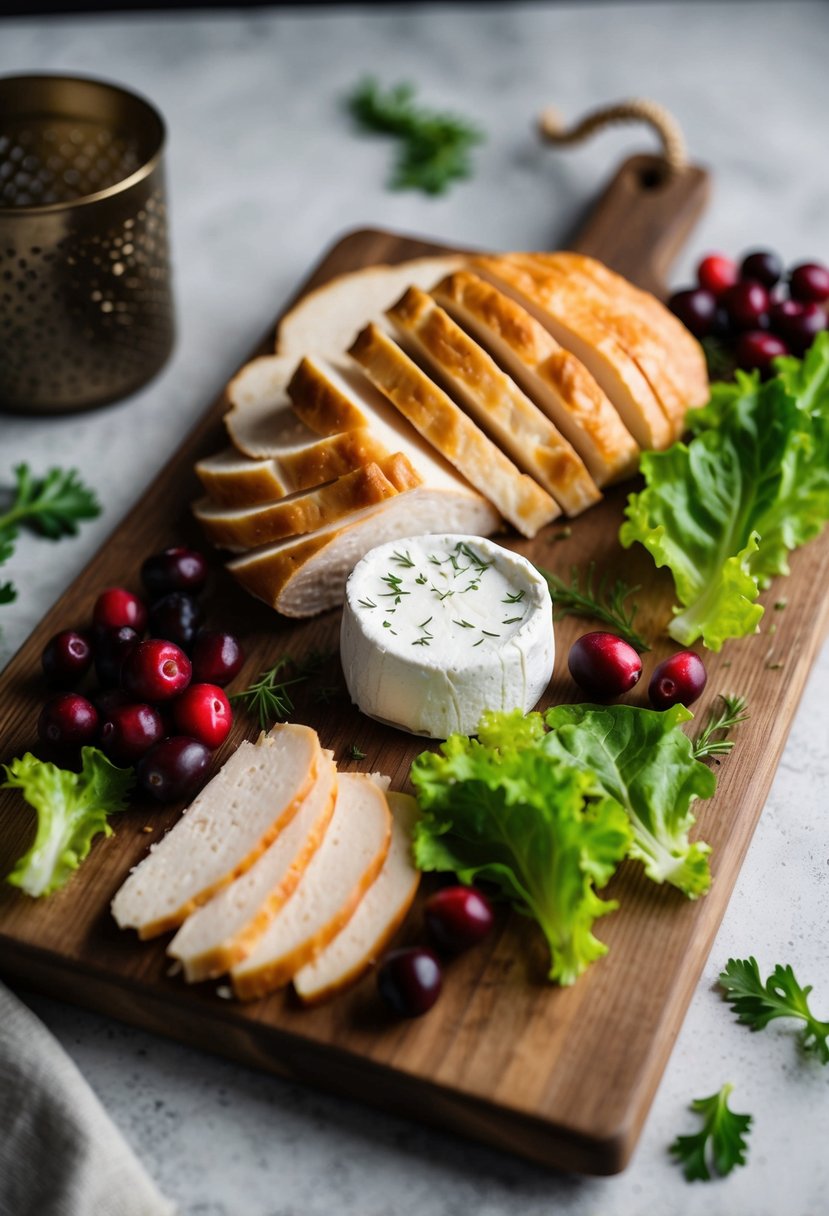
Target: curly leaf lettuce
544,832
72,808
724,511
645,762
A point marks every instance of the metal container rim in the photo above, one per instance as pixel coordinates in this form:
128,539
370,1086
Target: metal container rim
121,187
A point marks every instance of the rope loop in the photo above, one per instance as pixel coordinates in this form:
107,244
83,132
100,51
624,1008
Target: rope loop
552,127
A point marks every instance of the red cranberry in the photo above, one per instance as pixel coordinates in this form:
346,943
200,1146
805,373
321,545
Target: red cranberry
177,618
604,665
677,680
217,657
116,607
756,349
696,309
798,323
111,648
716,272
128,731
747,304
204,712
409,980
68,720
457,917
155,671
809,281
762,266
175,569
67,658
173,769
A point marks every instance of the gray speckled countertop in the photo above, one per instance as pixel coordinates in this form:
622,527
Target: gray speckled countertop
264,172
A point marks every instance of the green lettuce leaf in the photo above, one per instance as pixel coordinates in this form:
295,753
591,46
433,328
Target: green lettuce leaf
543,832
72,808
724,511
645,762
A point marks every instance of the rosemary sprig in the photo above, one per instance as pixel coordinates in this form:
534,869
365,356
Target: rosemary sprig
733,712
268,696
607,604
354,753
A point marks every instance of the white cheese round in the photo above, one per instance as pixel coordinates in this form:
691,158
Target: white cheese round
438,628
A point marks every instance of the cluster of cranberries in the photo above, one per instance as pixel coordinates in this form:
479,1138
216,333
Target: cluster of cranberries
606,666
409,980
756,308
160,704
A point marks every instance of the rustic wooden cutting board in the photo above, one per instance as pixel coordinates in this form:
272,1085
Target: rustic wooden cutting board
564,1077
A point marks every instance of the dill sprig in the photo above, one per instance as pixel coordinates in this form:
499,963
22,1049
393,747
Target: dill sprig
434,147
734,711
607,604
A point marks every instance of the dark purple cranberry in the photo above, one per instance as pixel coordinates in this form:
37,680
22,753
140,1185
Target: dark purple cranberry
174,768
67,658
756,349
177,617
604,665
409,980
762,266
175,569
677,680
155,670
68,720
128,731
697,310
457,917
809,282
116,607
111,649
747,305
797,323
107,699
216,656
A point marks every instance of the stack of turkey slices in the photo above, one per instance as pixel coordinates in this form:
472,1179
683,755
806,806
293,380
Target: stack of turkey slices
444,394
282,870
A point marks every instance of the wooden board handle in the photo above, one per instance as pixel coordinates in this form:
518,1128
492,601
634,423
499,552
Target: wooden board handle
642,219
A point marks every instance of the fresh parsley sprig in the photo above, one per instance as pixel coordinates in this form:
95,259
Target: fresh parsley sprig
53,505
434,147
720,1143
608,604
733,712
781,996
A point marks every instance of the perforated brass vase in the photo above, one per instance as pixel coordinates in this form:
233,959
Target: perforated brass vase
85,305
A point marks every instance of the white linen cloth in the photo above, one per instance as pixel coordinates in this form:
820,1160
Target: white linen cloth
60,1154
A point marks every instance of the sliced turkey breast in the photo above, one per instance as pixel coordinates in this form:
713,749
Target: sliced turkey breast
329,892
452,433
231,822
493,399
231,479
550,376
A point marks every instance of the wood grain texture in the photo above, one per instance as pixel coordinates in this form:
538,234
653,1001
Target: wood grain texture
564,1077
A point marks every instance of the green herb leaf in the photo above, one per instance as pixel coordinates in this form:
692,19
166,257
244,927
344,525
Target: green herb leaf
354,752
53,504
608,605
434,147
756,1004
724,511
734,712
721,1142
544,832
267,696
644,761
72,808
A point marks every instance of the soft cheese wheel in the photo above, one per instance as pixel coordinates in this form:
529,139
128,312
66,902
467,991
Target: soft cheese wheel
232,821
381,912
438,628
